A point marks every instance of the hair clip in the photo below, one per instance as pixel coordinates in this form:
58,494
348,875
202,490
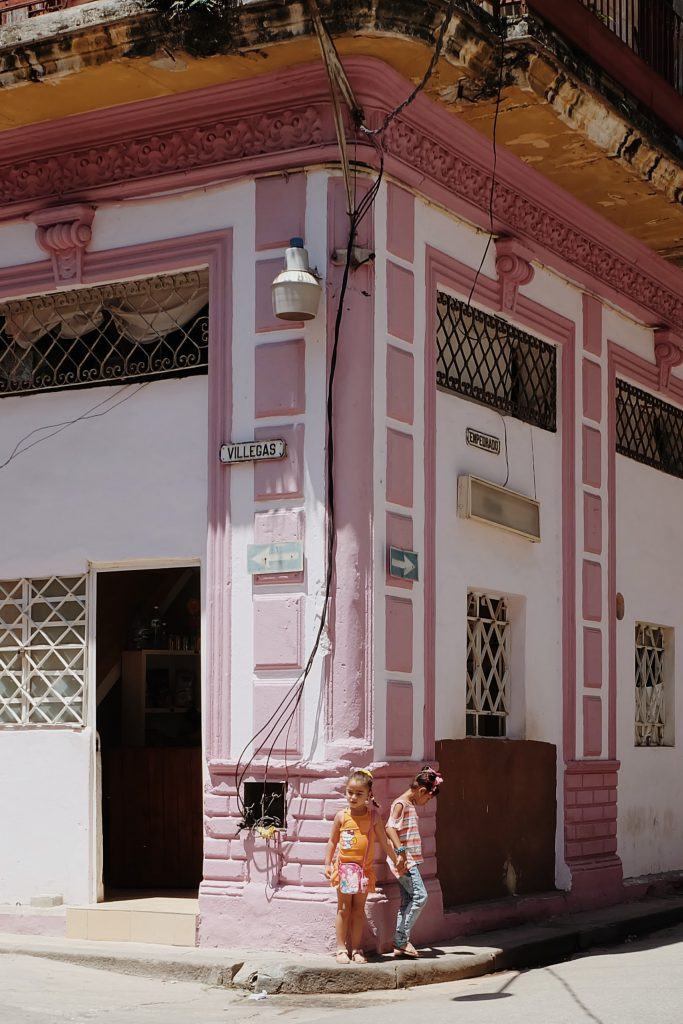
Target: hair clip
363,771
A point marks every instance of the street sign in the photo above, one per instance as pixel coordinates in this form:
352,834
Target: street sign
288,556
253,451
403,564
485,442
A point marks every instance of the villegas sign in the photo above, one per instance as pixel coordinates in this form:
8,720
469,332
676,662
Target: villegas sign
253,451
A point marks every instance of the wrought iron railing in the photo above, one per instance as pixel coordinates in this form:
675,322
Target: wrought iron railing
108,334
651,28
649,430
486,359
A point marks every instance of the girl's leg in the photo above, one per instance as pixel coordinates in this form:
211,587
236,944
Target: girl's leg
357,923
341,924
417,901
401,936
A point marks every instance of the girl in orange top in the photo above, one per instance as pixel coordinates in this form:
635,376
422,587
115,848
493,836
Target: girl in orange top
353,839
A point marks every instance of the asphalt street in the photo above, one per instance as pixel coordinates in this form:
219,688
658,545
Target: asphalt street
637,983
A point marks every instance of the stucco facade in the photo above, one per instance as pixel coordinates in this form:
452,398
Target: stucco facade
221,177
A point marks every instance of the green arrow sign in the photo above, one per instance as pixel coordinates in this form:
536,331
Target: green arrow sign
403,564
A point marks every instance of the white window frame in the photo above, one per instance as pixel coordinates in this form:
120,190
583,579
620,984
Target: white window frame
43,652
488,642
653,649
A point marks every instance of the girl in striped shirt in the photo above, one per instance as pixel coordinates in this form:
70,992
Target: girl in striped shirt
403,831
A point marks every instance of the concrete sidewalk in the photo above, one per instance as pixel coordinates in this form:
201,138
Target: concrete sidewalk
523,946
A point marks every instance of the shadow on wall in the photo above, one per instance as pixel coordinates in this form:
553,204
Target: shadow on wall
495,826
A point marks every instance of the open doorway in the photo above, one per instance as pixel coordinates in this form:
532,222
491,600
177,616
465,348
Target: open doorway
149,726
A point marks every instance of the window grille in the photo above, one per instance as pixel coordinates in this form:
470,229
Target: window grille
132,331
650,706
486,359
649,430
42,651
488,665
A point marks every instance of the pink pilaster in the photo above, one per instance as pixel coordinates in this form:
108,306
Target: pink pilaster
349,667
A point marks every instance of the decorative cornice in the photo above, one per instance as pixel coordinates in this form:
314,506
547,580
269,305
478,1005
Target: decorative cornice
190,139
668,353
513,265
63,232
524,217
211,144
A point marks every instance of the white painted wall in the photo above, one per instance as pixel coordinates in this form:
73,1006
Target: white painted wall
127,484
44,810
650,815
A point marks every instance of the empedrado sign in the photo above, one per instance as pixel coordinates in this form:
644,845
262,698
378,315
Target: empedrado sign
253,451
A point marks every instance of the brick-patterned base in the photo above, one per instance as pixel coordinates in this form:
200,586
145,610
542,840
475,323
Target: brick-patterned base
273,894
590,830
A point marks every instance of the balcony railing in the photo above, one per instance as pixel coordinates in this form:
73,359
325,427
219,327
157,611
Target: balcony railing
14,11
651,28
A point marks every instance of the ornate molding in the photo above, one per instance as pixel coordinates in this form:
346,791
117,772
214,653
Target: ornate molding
218,141
165,152
668,353
63,232
523,217
513,264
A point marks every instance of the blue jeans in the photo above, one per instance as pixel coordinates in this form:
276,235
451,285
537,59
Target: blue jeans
413,899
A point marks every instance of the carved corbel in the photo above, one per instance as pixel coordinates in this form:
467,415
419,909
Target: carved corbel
513,264
668,353
63,233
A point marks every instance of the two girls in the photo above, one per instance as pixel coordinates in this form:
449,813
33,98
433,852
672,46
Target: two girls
353,835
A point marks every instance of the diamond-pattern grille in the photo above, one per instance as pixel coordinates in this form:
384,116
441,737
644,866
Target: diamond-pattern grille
488,360
649,430
137,330
43,651
650,706
488,665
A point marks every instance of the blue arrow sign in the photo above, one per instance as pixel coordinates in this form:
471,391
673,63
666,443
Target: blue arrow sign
288,556
403,564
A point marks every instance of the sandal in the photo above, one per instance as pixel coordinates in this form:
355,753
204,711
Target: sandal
342,957
407,950
359,957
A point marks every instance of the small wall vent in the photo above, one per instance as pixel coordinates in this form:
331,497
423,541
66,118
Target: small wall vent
498,506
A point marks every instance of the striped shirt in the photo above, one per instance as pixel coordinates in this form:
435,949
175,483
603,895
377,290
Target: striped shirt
405,823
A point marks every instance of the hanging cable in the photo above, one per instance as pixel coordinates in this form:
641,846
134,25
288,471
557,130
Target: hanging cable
494,141
89,414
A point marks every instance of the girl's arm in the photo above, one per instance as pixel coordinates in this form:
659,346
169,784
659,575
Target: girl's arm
383,840
332,844
397,815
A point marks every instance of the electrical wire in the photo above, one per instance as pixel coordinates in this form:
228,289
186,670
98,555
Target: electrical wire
89,414
393,114
494,141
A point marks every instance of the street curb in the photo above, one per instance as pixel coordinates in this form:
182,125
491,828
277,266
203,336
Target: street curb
511,949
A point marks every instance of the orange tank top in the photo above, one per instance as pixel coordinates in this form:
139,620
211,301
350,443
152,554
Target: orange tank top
356,839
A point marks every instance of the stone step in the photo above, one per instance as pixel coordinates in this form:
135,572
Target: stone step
168,920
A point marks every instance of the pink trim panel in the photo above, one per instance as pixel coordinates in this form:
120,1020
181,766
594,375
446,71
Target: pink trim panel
592,390
399,719
592,727
592,459
399,634
400,385
280,375
278,631
592,590
400,302
399,468
281,478
592,523
400,222
280,210
592,658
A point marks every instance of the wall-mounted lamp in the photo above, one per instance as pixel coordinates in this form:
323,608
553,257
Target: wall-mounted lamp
296,291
